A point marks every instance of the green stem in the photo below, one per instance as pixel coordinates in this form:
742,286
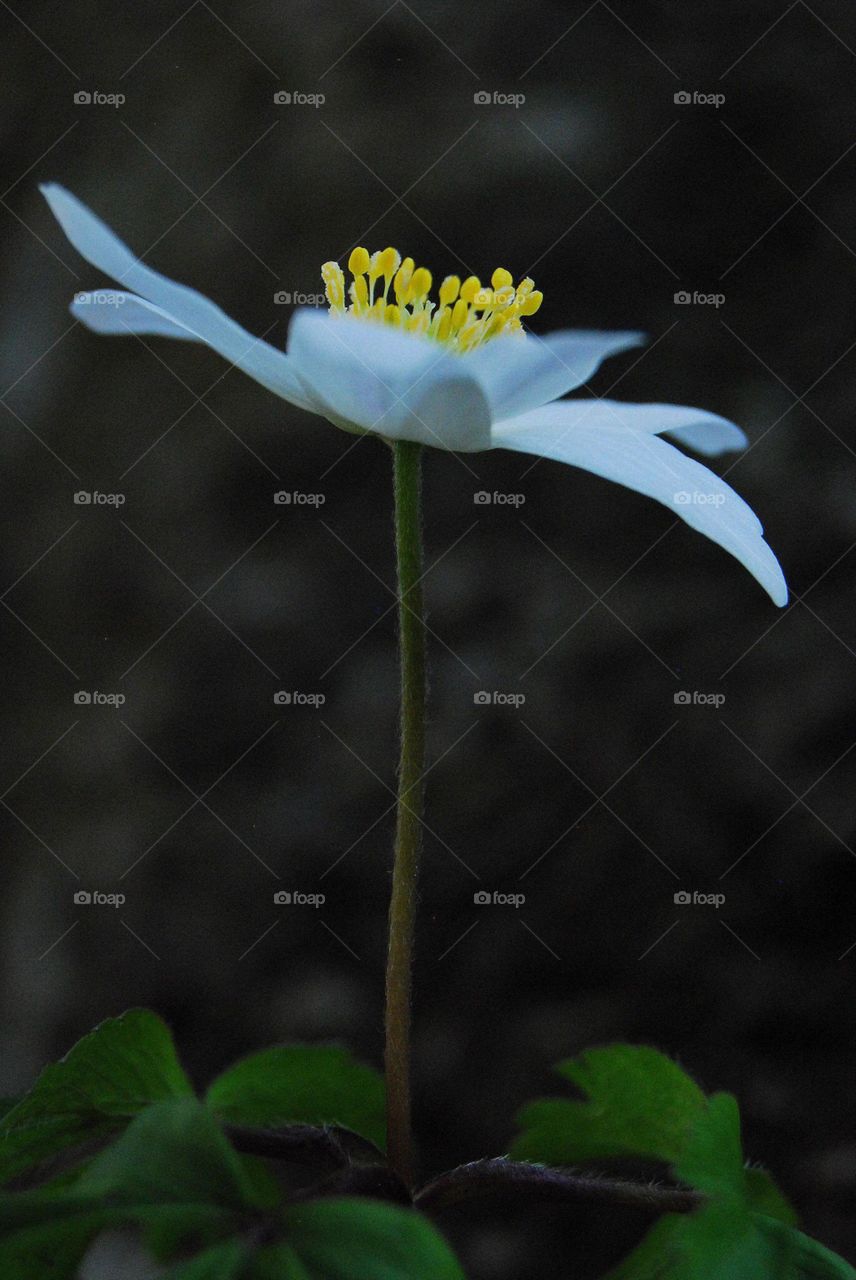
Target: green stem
402,909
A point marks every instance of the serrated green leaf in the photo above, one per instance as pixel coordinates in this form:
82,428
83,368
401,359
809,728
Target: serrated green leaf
349,1238
302,1084
106,1078
639,1103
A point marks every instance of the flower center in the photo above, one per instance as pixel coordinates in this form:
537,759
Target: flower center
468,313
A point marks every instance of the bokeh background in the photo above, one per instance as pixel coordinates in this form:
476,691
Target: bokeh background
598,797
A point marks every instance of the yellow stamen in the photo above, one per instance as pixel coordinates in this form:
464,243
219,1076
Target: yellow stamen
449,290
358,263
334,285
467,315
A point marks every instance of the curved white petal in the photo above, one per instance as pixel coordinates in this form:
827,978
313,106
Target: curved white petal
706,433
399,385
710,435
112,311
186,308
642,461
518,373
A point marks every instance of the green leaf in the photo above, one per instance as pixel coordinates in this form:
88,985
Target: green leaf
227,1261
109,1076
51,1250
302,1084
723,1242
640,1104
716,1243
766,1198
712,1155
808,1259
280,1262
355,1239
171,1172
173,1153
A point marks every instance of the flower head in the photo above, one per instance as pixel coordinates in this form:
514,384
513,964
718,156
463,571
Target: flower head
458,373
394,291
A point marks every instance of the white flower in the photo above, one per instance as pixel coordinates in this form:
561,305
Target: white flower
461,375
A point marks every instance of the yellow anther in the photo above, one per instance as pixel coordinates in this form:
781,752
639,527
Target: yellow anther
460,311
444,327
334,284
402,280
449,290
470,288
420,284
359,261
467,314
532,303
389,261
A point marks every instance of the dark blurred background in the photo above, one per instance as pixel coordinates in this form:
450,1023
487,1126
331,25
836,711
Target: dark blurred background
599,798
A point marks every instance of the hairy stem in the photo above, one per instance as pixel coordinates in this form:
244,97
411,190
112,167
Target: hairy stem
485,1178
402,910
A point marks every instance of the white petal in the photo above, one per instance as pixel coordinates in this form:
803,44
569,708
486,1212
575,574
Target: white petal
642,461
399,385
519,373
188,309
112,311
706,433
710,435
